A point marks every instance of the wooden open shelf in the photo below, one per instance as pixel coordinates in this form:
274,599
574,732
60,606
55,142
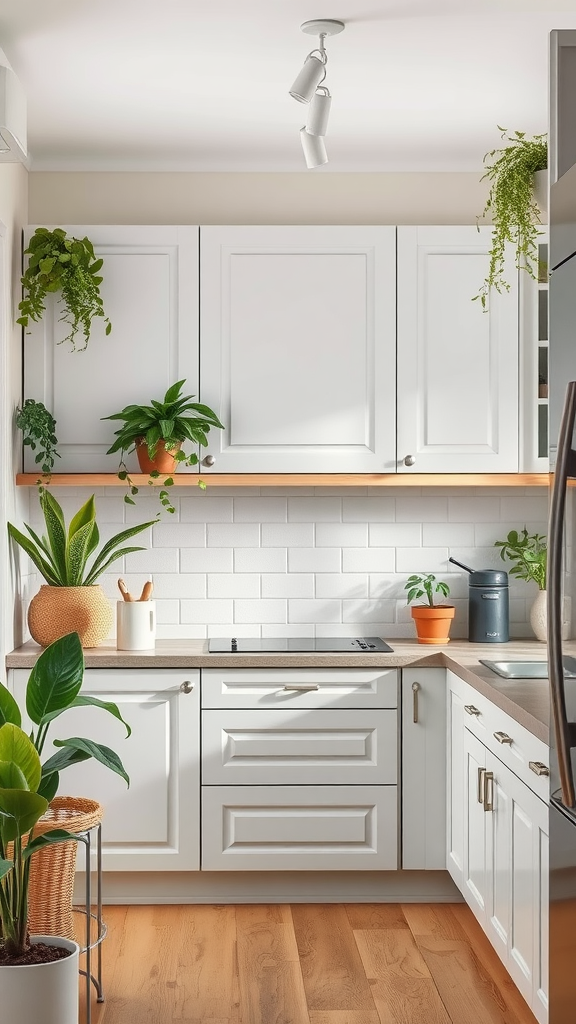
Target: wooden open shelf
300,480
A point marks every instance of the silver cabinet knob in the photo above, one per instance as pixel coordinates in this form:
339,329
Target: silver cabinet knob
409,460
208,460
538,768
471,710
186,687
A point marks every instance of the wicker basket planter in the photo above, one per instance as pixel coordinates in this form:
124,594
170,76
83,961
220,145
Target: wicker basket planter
53,868
56,611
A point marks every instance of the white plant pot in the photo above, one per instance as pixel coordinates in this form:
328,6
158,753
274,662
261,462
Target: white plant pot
538,616
42,993
541,191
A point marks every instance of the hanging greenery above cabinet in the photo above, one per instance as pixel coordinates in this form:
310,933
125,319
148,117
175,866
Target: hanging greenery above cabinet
64,264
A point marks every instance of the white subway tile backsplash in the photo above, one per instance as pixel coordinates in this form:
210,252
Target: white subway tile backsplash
422,509
393,535
259,611
206,509
179,535
152,560
341,585
260,510
486,533
233,584
338,535
204,612
260,560
422,560
233,535
184,584
287,630
228,629
287,535
368,510
296,584
388,585
314,560
167,612
207,560
473,510
314,611
525,511
448,534
368,560
368,611
314,510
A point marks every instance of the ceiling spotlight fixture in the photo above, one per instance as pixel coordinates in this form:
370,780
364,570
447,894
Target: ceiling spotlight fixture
308,88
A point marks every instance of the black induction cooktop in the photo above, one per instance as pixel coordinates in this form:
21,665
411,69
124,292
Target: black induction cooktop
295,645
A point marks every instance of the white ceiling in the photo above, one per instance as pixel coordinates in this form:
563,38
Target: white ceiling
202,85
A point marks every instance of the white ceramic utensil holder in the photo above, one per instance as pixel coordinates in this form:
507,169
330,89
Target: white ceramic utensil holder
135,625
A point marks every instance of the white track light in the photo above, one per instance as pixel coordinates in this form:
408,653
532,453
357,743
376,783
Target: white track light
314,149
307,80
317,120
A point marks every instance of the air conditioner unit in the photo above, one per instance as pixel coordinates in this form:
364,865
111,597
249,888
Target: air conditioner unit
13,141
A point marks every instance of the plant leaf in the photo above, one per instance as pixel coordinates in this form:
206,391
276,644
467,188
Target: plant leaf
11,776
60,760
56,678
56,530
9,710
84,515
78,551
17,748
98,751
5,866
39,561
113,543
49,786
19,812
85,702
56,835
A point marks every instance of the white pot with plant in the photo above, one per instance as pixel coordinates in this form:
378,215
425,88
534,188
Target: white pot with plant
39,973
529,554
71,601
514,203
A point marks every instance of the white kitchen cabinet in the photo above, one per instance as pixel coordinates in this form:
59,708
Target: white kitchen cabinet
534,365
424,768
455,789
150,294
298,329
457,365
153,825
476,875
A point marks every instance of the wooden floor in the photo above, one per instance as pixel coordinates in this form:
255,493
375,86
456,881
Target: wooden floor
303,964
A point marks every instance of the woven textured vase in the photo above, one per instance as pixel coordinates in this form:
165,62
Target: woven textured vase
56,611
53,868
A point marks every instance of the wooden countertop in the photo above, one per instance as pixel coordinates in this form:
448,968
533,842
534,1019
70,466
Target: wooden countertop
525,700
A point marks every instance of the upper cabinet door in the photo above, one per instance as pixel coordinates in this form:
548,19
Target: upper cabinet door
457,365
298,347
150,294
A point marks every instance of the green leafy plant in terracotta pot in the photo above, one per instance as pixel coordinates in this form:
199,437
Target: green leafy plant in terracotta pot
28,784
156,432
432,620
67,266
71,600
529,553
512,207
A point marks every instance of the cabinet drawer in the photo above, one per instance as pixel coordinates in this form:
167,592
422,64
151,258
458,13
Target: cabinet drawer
333,747
299,828
290,688
492,726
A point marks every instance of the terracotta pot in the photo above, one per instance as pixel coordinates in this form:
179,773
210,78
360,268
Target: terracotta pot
163,461
42,992
433,623
56,611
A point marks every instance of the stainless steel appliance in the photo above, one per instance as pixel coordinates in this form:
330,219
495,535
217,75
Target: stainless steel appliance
296,645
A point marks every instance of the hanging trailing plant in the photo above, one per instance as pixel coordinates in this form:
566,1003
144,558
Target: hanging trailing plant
511,204
38,428
61,263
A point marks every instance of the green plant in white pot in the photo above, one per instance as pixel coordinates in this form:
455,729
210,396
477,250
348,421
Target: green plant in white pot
529,554
512,206
39,975
71,600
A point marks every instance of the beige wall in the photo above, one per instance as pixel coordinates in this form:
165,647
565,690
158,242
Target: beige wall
13,504
147,198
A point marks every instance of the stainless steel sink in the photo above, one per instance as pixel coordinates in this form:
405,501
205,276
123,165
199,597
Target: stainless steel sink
528,669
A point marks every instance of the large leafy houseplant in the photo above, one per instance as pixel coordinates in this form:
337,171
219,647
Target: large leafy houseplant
65,264
512,207
162,425
27,784
528,552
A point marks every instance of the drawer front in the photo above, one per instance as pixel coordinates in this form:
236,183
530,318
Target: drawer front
260,748
300,828
289,688
495,728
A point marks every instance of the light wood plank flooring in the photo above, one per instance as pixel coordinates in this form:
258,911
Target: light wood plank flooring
303,964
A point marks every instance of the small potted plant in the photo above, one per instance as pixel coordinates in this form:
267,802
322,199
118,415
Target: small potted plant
39,973
71,600
66,265
512,206
38,428
529,554
156,432
432,620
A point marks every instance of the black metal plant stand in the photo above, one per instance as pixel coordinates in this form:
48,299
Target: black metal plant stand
86,838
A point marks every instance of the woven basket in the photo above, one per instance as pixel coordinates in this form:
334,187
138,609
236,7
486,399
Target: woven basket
55,611
53,868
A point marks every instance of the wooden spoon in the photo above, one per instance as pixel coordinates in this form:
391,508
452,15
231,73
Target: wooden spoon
124,591
146,591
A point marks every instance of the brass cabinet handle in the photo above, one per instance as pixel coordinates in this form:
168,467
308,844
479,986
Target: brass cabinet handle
538,768
503,737
489,792
415,689
481,774
186,687
302,687
471,710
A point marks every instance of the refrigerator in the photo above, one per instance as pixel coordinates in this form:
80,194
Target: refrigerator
561,586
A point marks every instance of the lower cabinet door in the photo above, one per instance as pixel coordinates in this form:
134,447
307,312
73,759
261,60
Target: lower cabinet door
476,880
299,828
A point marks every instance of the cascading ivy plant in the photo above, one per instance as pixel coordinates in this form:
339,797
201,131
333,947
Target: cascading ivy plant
515,214
62,263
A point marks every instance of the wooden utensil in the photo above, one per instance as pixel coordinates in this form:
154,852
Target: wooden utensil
124,591
146,591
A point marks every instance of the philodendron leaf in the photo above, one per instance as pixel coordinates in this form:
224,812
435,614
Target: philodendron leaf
16,747
56,678
9,710
11,776
56,835
49,786
84,702
98,751
19,812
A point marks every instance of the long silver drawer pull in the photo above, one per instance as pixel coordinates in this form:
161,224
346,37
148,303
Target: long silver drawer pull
538,768
415,689
481,774
186,687
489,791
471,710
503,737
302,686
